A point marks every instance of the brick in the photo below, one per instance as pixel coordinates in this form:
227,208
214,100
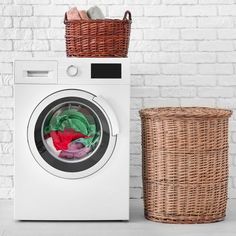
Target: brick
197,57
135,125
216,2
31,22
161,34
162,10
134,115
180,2
146,22
140,69
209,102
229,103
6,159
178,92
215,69
228,80
136,34
179,69
6,1
144,45
6,148
15,34
6,170
6,125
5,91
32,2
227,34
215,22
5,22
136,182
7,79
95,2
6,182
135,103
5,136
136,159
198,80
135,137
199,10
6,102
136,193
161,80
144,92
135,171
137,80
178,22
226,57
215,92
6,68
57,22
161,102
6,113
6,193
216,46
135,149
50,10
118,11
14,10
49,34
5,45
136,57
57,45
227,10
137,2
29,45
161,57
198,34
178,46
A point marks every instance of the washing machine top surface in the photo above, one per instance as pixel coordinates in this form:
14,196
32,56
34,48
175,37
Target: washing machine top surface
72,71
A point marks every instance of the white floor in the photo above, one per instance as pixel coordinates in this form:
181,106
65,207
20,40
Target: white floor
137,226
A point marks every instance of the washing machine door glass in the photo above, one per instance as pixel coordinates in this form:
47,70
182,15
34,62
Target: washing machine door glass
70,136
71,132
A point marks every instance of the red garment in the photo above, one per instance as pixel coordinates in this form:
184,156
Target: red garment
61,139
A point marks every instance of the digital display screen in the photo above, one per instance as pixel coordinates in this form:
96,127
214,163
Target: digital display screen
106,71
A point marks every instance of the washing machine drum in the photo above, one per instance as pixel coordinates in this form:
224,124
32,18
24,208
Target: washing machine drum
71,135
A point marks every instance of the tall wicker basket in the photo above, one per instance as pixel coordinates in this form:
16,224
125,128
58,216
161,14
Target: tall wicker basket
98,38
185,164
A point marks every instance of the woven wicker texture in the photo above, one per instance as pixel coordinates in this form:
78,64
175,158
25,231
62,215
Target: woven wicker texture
98,38
185,164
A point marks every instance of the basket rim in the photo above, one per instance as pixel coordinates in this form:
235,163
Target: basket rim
185,112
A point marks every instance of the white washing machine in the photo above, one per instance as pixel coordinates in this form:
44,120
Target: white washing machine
72,139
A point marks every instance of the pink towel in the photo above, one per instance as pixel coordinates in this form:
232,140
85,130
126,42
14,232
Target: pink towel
73,14
83,15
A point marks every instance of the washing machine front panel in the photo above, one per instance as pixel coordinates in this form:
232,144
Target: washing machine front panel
70,135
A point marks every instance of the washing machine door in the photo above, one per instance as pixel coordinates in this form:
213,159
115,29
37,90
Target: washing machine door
72,133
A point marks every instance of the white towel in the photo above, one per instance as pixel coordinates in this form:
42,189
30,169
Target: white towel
95,13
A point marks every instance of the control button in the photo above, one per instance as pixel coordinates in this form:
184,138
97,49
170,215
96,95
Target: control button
72,70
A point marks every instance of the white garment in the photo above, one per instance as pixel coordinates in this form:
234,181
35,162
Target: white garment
51,147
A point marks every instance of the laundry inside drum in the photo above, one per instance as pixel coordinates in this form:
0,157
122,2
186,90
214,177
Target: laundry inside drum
71,132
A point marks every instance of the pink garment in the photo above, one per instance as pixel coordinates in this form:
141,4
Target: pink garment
73,14
83,15
75,153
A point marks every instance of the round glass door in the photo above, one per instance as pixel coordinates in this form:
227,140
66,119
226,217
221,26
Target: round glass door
71,136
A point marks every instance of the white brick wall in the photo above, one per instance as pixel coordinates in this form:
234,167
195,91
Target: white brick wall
182,53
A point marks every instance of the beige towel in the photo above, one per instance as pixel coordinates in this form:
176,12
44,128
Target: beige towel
83,15
73,14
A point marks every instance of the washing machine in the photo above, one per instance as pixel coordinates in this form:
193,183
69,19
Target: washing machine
72,139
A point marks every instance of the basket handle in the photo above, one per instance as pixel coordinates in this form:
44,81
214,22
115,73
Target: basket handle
65,18
127,13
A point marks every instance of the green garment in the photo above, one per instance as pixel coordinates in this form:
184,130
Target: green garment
71,119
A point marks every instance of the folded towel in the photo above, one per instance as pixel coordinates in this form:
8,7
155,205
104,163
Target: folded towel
73,14
83,15
95,13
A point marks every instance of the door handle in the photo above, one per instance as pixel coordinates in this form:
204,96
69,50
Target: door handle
110,113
